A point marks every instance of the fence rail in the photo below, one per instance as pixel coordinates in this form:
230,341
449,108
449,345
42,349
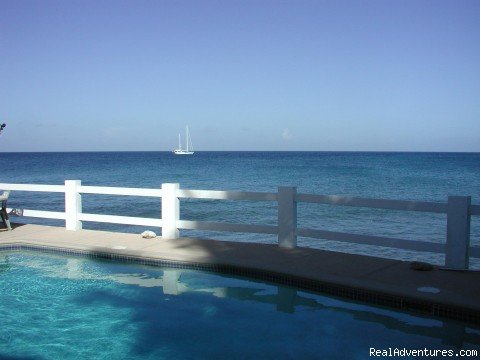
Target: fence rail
226,195
106,190
33,187
457,248
373,240
422,206
474,209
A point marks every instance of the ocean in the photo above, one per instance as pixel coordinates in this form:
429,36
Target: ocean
403,176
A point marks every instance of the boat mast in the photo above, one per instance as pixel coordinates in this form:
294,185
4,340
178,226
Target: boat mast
186,136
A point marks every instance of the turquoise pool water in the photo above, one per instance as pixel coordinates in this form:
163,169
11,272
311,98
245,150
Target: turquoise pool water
59,307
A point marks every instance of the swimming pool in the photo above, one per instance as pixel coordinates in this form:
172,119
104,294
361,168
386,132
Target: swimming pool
55,306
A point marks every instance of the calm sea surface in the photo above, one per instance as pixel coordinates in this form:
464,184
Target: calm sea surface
406,176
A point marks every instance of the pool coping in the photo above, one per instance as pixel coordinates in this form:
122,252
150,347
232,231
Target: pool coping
355,277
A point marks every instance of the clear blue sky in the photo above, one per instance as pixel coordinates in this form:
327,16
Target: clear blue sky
91,75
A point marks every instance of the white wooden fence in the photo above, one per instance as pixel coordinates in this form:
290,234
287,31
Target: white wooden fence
459,210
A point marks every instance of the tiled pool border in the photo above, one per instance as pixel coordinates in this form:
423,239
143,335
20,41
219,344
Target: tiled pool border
417,306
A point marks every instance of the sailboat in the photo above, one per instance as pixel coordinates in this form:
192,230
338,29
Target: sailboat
189,149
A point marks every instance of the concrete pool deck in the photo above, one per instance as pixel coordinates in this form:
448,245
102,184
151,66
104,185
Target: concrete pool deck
451,294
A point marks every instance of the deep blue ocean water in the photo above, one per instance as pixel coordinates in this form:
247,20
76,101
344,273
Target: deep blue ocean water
59,307
405,176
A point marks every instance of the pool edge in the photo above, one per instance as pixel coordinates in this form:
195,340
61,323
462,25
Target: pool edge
370,296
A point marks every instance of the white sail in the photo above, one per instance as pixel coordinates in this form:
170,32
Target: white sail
188,142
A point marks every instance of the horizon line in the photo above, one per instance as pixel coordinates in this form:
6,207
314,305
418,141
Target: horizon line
248,151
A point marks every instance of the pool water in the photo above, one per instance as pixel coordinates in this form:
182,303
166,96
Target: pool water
60,307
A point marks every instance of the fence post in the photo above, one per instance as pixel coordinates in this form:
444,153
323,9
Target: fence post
458,232
170,211
73,205
287,217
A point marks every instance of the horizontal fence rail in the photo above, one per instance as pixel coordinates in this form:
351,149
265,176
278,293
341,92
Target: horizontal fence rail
56,215
219,226
115,219
474,209
422,206
32,187
373,240
107,190
457,248
226,195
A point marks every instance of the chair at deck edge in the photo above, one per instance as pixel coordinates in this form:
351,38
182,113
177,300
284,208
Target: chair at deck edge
3,210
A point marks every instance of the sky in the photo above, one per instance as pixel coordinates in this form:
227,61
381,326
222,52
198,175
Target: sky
249,75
